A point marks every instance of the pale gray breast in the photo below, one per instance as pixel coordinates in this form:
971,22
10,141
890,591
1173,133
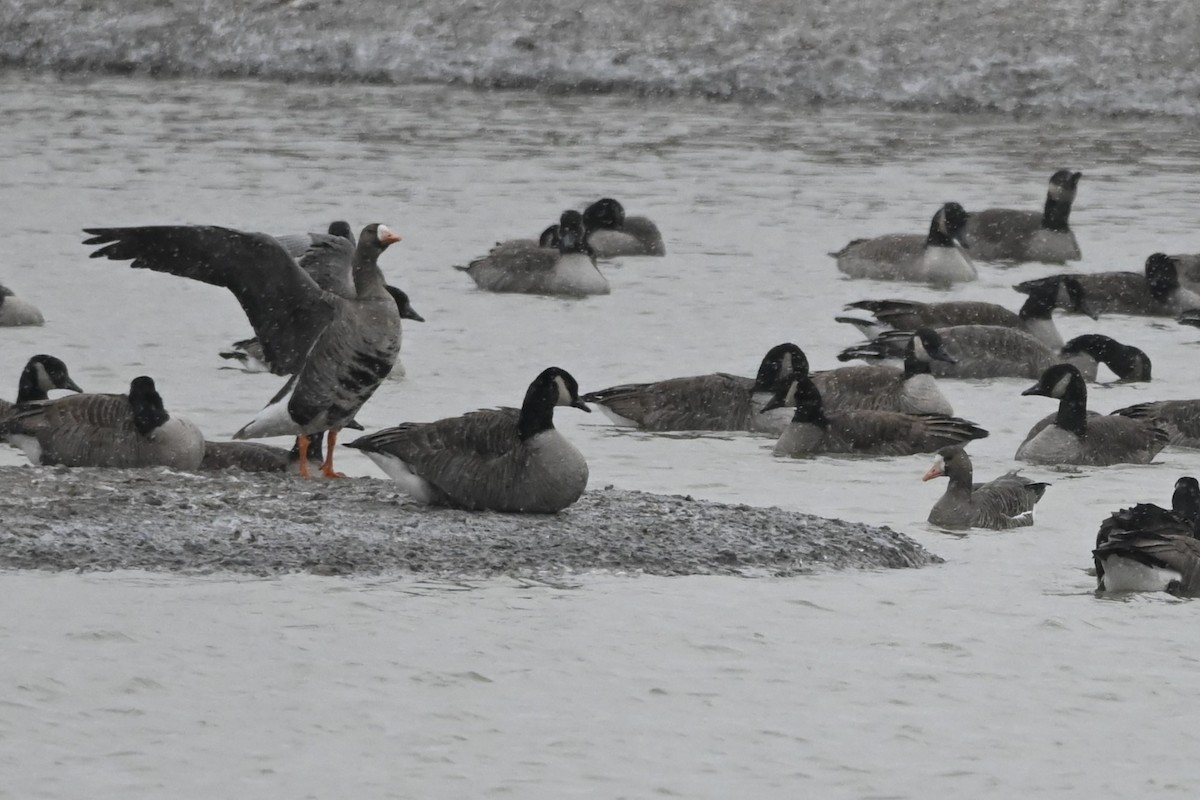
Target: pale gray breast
1052,445
800,439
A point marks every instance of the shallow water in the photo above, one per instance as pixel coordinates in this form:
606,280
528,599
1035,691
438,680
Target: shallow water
996,672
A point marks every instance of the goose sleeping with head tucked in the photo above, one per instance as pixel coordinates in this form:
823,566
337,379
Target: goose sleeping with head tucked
937,258
42,374
878,387
1077,437
1002,503
882,433
1004,234
105,430
1151,549
341,348
519,266
716,402
612,234
497,460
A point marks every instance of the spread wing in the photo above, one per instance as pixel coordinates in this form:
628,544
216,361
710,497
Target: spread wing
285,306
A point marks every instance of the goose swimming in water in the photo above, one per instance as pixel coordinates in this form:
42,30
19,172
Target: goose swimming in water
1155,292
104,430
342,348
612,234
517,266
1002,503
1004,234
1147,548
937,258
497,460
16,312
877,387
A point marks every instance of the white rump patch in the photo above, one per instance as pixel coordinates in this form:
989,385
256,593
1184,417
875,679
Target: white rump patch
29,445
409,482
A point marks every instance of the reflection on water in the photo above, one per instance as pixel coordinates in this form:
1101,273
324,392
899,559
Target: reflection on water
1001,657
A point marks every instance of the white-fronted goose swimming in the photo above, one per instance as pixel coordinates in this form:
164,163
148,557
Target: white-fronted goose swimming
937,258
716,402
498,460
15,311
1035,316
1147,548
42,374
104,430
612,234
1155,292
517,266
881,433
877,387
1002,503
1076,437
1003,234
339,349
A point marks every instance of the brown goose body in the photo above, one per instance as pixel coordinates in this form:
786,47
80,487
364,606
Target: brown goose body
1002,503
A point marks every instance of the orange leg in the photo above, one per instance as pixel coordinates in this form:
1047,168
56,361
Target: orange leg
327,467
303,456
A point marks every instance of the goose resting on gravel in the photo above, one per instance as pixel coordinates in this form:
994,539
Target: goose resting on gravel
1147,548
1155,292
1035,316
41,375
1076,437
937,258
259,457
877,387
716,402
104,430
16,312
497,460
343,348
1002,503
519,266
1004,234
881,433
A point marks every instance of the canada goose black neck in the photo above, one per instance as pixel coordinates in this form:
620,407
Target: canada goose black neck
781,363
572,234
1185,502
810,409
1059,198
553,387
148,410
41,374
946,226
924,346
1126,361
372,241
1064,382
1040,303
1162,276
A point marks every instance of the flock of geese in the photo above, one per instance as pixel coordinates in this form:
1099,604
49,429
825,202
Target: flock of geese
324,316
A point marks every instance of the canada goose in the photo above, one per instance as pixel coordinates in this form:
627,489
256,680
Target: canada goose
1180,418
1190,317
1002,503
105,430
1155,292
14,311
1035,316
249,356
41,375
936,258
912,390
880,433
716,402
612,234
1002,234
520,267
259,457
342,348
1147,548
991,351
1075,437
499,460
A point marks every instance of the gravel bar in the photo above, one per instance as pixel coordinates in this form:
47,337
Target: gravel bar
94,519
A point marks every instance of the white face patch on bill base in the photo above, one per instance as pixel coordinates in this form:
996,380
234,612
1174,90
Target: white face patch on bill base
385,236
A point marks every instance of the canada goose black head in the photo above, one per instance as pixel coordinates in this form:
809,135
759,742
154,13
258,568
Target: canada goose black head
781,363
1127,362
572,234
804,395
947,226
404,305
42,374
1185,502
605,213
148,410
553,387
1057,381
1063,185
924,347
1162,275
1071,297
341,228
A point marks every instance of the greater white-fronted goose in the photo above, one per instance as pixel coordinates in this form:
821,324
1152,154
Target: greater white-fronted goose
881,433
42,374
1147,548
498,460
259,457
1035,316
104,430
1076,437
612,234
716,402
938,258
15,311
1155,292
876,387
1003,234
338,349
1002,503
570,269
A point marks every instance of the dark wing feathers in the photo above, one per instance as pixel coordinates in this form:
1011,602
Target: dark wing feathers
895,434
717,402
